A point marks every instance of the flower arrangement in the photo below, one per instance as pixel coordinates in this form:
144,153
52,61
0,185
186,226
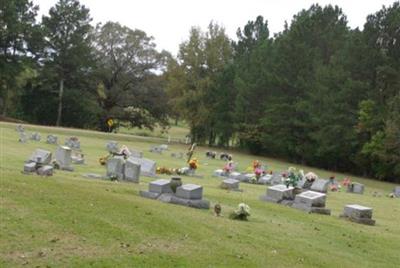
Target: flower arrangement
228,168
293,177
241,213
193,164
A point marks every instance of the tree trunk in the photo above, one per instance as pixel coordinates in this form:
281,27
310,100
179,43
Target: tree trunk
5,101
60,96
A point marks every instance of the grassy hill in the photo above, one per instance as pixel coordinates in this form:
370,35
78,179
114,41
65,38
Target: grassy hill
71,221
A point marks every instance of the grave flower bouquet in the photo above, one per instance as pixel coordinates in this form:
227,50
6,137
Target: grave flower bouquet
241,213
294,177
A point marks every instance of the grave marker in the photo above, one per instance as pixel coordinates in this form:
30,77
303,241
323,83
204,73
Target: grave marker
359,214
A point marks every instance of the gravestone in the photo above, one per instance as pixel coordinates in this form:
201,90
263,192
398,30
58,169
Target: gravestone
147,166
41,157
247,177
112,147
73,143
63,158
396,191
157,188
35,136
219,173
115,168
230,184
160,186
320,185
20,128
135,153
234,175
356,188
132,170
178,155
189,191
266,179
23,138
30,167
51,139
156,149
278,193
163,147
312,202
276,178
359,214
45,170
77,158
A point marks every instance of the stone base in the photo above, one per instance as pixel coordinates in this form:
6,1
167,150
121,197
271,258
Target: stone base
172,199
45,171
365,221
67,168
94,176
150,195
317,210
194,203
285,202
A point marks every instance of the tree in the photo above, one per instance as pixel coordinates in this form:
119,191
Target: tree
192,80
126,65
18,30
68,48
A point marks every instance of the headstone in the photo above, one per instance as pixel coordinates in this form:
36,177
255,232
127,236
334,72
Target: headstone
147,166
163,147
73,143
359,214
247,177
22,137
51,139
278,193
276,178
356,188
45,170
189,191
77,158
230,184
156,149
178,155
30,167
396,191
234,175
135,153
115,168
35,136
160,186
320,185
20,128
40,156
112,147
219,173
63,158
266,179
132,170
312,202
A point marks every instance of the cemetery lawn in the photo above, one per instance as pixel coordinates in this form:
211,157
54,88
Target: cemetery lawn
71,221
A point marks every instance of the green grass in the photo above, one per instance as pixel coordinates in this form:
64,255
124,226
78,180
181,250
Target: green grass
70,221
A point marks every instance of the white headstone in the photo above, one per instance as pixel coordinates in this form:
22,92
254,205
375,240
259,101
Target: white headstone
35,136
279,192
160,186
320,185
189,191
63,157
311,199
396,191
115,168
41,157
147,166
112,146
132,170
230,184
51,139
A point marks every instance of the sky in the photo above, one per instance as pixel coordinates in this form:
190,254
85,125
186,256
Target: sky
169,21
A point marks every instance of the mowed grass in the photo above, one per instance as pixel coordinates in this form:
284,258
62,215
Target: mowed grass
70,221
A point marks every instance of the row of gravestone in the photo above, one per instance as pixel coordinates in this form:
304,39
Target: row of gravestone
71,142
319,185
159,149
190,195
41,160
314,202
131,168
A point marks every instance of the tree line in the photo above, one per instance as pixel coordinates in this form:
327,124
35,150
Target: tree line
317,93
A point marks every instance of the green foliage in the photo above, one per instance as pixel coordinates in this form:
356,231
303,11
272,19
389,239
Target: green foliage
241,213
